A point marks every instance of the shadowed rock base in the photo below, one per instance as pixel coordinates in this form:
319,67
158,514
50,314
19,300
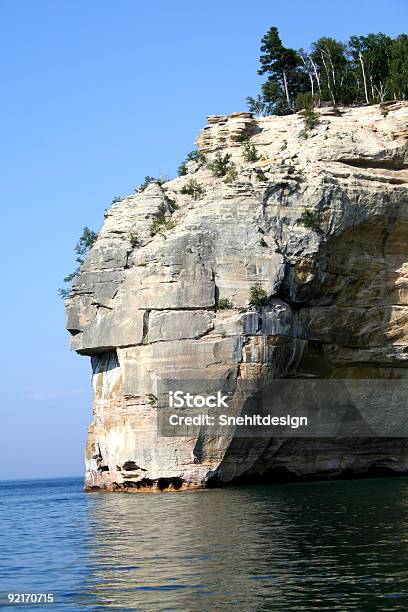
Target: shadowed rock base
374,459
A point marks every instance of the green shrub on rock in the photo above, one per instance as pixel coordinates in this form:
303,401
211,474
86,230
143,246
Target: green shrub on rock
151,179
134,240
82,248
310,219
182,169
258,298
172,204
160,223
193,189
260,175
224,304
231,175
221,164
196,156
250,153
311,119
241,138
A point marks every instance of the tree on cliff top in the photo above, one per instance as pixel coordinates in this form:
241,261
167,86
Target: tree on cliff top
282,65
330,59
365,70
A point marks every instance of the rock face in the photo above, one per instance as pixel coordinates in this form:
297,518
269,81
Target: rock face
320,220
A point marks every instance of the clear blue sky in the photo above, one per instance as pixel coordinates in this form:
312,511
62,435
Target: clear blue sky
95,95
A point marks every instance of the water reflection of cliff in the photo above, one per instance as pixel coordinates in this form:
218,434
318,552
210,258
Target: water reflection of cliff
266,548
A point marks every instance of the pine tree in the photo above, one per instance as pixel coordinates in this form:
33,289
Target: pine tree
282,64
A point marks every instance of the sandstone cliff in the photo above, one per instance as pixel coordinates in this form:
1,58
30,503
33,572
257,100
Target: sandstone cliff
320,220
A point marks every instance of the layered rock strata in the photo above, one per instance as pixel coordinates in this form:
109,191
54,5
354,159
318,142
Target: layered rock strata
320,220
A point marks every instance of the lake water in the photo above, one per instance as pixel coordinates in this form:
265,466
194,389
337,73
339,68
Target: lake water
315,546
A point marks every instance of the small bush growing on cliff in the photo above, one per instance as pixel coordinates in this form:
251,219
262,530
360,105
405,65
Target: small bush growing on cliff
196,156
160,223
224,304
117,199
258,298
182,169
263,243
260,174
151,179
85,243
134,239
151,399
311,119
220,166
250,153
82,248
231,175
193,189
172,203
241,138
310,219
147,180
65,291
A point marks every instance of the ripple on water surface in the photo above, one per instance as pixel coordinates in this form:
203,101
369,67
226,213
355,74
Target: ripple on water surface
334,546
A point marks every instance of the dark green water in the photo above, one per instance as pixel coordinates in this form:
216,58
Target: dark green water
316,546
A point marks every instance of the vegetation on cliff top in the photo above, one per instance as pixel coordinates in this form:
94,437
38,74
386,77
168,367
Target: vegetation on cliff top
365,70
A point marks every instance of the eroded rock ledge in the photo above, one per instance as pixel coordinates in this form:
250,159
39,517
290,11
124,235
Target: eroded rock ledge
338,286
